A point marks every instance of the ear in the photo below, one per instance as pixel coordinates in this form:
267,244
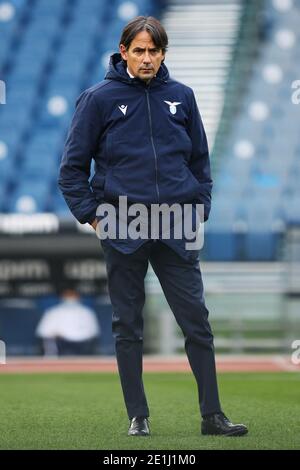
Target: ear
123,52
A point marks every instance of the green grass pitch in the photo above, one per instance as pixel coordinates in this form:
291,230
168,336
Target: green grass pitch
86,411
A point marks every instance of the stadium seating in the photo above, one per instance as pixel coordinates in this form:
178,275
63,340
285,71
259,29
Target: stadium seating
259,167
51,51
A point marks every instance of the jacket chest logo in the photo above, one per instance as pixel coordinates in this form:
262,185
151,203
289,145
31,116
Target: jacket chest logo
172,106
123,108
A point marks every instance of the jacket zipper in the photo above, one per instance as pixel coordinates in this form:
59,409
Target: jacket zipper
152,142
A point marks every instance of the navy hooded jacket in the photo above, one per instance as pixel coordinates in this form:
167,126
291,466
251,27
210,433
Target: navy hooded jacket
147,141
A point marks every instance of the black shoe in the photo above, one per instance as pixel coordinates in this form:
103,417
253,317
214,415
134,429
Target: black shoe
139,426
218,424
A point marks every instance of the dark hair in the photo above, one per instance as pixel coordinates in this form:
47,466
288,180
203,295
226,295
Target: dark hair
149,24
64,286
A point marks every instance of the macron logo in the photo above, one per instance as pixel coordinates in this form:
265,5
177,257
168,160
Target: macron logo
123,108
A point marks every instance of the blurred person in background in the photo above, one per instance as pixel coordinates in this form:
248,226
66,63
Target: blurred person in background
146,135
69,328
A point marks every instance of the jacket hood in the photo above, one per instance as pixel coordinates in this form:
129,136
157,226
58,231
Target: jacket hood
117,71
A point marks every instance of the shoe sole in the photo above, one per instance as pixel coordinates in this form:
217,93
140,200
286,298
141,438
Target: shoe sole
236,433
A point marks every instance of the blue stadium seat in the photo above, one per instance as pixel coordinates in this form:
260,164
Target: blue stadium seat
6,169
37,190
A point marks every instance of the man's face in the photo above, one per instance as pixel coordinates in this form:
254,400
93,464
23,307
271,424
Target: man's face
143,57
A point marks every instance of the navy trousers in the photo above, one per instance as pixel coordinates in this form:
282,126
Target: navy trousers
181,282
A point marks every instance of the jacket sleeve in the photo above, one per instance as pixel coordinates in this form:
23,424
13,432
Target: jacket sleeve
80,148
199,163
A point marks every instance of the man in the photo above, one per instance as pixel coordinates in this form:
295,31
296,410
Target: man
144,131
69,328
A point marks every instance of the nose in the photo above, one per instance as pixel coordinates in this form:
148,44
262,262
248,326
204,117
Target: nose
146,59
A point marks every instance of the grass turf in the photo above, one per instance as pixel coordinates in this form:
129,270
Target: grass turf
86,411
